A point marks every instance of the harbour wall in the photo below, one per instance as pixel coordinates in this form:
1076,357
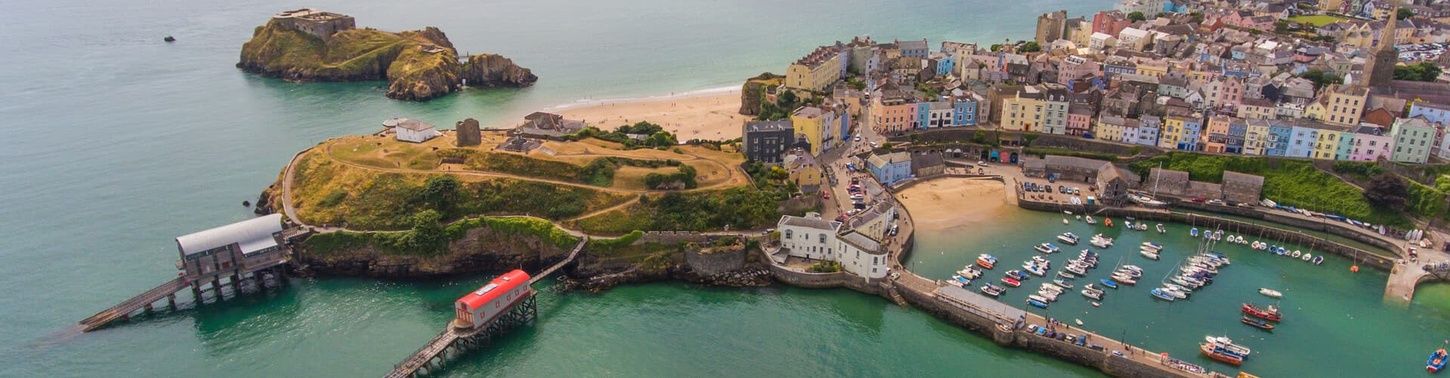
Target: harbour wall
710,262
824,280
1377,260
999,331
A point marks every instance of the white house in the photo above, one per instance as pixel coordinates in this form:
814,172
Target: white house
808,237
861,255
814,238
412,130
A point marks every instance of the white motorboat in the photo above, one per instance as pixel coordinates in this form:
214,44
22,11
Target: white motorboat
1161,230
1068,238
1271,293
1149,254
1228,344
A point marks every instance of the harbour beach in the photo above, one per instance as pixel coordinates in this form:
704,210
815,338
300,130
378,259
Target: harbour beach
706,114
982,200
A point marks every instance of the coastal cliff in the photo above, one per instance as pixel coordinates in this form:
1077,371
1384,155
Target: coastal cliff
474,245
418,65
752,93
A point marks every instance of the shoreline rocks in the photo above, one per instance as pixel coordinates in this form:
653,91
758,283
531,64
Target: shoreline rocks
418,65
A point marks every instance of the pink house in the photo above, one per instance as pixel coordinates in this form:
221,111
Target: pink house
1370,143
1079,120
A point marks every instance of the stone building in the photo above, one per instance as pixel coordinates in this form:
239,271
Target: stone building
1167,181
927,164
314,22
1050,26
468,133
1242,187
548,126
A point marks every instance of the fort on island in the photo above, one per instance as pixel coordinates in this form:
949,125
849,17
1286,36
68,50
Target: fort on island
1266,144
316,23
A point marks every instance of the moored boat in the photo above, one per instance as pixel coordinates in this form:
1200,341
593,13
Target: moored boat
955,282
1013,282
1046,248
1161,230
1155,247
1151,255
1319,260
1065,274
1068,237
1173,292
1228,345
1436,362
1270,313
1258,323
1271,293
1065,284
1158,293
986,261
1220,355
1092,294
1108,283
992,290
1124,278
1307,257
1038,303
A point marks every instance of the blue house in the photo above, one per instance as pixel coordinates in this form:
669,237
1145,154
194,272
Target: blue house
923,114
890,168
945,64
964,112
1301,141
1192,129
1431,112
1175,6
1237,132
1279,135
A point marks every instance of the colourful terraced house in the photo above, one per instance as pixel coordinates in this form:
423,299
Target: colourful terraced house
1180,133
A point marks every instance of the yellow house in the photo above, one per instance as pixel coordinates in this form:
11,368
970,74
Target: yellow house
1327,144
1110,128
816,71
1154,68
804,171
1256,136
809,121
1344,106
1172,132
1022,113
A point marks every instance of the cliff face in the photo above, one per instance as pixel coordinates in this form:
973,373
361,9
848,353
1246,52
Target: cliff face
418,65
490,70
753,92
481,250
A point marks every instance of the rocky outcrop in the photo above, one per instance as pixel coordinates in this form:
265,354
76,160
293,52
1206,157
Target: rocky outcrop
491,70
480,250
735,267
753,92
418,65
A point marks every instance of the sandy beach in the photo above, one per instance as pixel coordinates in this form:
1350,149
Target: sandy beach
704,115
950,202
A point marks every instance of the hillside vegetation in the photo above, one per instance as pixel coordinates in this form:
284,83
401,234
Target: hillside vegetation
1289,182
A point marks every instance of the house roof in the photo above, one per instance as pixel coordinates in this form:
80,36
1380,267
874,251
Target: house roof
862,242
767,126
415,125
809,221
251,235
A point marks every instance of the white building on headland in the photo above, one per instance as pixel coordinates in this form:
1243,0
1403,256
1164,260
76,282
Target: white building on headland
811,237
412,130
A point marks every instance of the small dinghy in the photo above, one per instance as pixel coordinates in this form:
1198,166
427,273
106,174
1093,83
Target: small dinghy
1108,283
1162,230
1158,293
1318,260
1307,257
1271,293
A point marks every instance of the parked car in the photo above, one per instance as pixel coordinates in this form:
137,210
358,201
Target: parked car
981,163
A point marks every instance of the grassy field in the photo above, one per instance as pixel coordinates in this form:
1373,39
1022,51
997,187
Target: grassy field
1316,20
564,161
329,192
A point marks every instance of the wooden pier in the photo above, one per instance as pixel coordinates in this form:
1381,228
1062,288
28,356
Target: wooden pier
454,341
211,260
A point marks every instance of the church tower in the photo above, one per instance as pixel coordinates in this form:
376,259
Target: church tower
1379,69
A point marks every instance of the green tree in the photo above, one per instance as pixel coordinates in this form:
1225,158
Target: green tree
1030,46
427,233
1422,71
440,193
1136,16
1320,78
1388,191
1404,14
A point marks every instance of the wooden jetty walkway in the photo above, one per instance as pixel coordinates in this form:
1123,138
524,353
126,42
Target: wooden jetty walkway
436,352
142,301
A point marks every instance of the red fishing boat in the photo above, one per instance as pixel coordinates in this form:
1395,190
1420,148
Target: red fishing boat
1258,323
1270,313
1013,282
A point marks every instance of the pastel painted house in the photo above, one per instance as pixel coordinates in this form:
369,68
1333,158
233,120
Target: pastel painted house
890,168
1370,143
1414,138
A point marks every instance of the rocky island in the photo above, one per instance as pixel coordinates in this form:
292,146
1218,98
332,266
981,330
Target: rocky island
311,45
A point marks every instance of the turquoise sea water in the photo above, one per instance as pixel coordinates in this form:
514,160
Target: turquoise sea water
115,142
1335,322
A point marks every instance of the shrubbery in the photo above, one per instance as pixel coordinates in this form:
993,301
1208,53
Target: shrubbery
654,136
825,267
428,236
684,178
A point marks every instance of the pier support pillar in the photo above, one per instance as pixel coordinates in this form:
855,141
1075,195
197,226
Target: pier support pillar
171,301
147,307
